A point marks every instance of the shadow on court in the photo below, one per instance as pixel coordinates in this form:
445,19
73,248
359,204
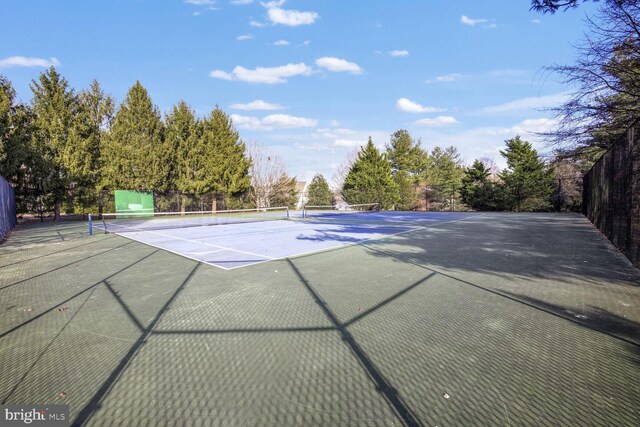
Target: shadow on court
497,320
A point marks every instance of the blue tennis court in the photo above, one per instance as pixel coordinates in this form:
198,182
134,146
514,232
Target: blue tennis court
240,244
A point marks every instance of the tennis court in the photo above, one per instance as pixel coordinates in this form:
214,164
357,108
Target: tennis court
414,319
240,238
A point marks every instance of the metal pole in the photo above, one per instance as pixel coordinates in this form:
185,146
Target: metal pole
90,225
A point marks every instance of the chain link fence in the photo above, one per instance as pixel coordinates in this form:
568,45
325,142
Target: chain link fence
7,208
611,194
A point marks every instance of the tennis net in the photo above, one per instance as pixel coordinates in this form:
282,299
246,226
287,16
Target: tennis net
330,210
131,222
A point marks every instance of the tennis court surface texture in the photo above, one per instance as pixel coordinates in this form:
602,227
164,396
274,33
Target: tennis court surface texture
394,319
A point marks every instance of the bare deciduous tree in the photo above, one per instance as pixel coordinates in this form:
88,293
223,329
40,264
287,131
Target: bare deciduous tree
343,169
606,76
267,172
491,166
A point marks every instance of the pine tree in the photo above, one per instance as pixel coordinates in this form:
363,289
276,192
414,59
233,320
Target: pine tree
408,162
88,134
406,154
445,173
19,164
54,107
226,167
135,156
187,173
477,191
12,156
284,192
319,193
528,183
369,180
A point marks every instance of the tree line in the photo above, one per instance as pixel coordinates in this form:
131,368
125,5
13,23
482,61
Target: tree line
67,151
405,176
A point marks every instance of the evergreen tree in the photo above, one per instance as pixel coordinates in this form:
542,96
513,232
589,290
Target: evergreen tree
477,191
187,173
12,152
407,191
445,173
54,107
135,156
528,183
88,134
319,193
284,192
19,163
406,154
408,163
369,180
226,167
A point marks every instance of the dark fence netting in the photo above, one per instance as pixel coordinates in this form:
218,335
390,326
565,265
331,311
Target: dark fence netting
611,194
7,208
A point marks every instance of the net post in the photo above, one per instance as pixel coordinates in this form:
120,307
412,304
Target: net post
287,212
90,225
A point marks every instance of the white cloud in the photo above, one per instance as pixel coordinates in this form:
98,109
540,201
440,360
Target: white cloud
338,65
286,121
350,142
501,73
534,126
196,13
240,2
266,75
291,18
257,24
275,3
343,137
335,133
447,78
201,2
438,121
281,43
258,104
472,22
244,37
536,21
530,103
273,121
399,53
23,61
408,106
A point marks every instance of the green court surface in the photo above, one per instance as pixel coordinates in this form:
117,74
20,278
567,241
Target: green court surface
497,319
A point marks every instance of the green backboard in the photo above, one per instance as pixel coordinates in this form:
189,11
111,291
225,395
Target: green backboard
137,202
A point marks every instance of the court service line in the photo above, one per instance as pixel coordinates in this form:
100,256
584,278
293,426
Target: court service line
330,248
184,255
303,226
346,245
200,243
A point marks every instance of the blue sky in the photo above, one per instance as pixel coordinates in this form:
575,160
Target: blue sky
312,79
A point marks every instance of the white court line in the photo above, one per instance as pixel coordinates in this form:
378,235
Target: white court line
361,242
194,241
178,253
302,226
269,258
340,245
